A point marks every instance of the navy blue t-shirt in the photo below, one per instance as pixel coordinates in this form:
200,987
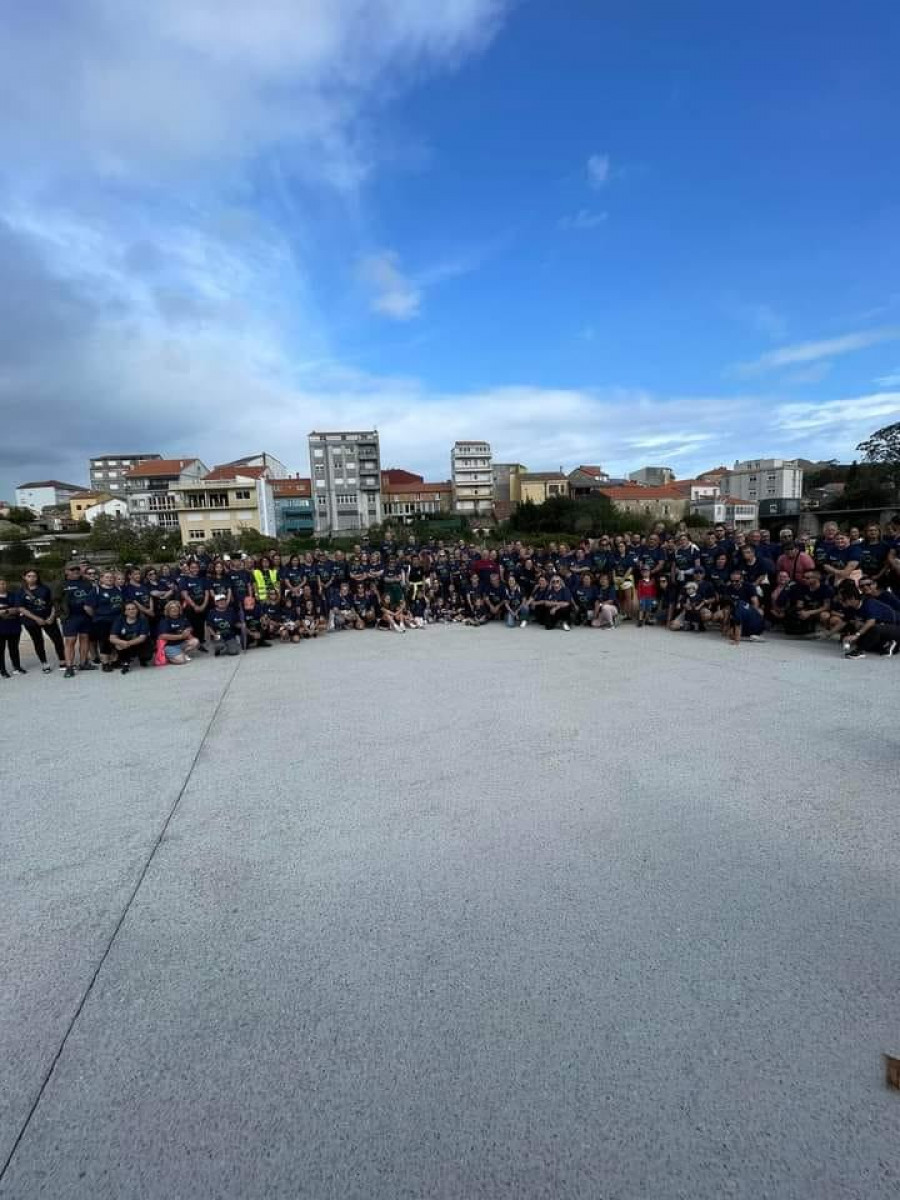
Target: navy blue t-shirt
874,610
9,621
107,603
172,625
38,600
128,630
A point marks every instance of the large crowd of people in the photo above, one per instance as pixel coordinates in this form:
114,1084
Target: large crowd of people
845,585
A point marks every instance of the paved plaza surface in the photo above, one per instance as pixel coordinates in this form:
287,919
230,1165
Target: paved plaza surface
459,913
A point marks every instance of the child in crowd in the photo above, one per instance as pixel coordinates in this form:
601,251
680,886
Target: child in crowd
648,595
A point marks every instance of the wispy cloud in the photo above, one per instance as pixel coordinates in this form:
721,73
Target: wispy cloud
856,414
814,373
394,294
889,381
598,170
584,219
809,352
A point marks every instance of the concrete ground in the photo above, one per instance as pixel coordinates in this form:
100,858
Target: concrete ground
463,913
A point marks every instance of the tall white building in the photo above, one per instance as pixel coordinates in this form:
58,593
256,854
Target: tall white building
764,479
45,493
473,478
345,473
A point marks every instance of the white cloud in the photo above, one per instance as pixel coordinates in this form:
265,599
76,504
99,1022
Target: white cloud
889,381
582,220
808,352
598,170
183,84
852,418
394,294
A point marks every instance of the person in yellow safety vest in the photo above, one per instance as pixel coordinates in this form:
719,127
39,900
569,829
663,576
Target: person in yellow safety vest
265,578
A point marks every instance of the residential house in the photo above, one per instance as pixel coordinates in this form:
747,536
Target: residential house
346,480
659,503
412,501
586,481
697,489
149,489
82,501
293,507
45,493
112,506
108,471
473,478
538,486
226,501
727,510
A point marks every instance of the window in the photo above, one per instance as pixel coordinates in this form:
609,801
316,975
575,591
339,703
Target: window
114,487
218,499
318,452
195,500
197,535
242,495
345,498
219,533
320,483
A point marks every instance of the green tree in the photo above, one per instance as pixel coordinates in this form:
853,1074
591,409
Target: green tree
20,516
883,446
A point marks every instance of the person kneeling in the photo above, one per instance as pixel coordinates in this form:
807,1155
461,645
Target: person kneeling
174,640
130,636
223,627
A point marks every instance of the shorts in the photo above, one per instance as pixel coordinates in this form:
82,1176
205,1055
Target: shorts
647,604
173,650
76,625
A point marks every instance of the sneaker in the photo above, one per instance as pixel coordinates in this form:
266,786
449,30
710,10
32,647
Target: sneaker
891,649
522,624
62,666
566,626
756,637
854,652
4,674
187,658
46,670
88,666
20,671
106,668
124,670
68,672
217,651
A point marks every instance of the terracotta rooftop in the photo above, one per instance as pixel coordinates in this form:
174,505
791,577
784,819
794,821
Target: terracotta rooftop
597,472
159,466
542,476
235,471
292,487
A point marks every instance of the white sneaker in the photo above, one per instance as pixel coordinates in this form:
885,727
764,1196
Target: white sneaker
565,626
755,637
522,624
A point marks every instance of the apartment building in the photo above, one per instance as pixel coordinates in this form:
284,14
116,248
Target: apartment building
473,478
765,479
293,507
226,501
411,501
108,471
345,469
149,490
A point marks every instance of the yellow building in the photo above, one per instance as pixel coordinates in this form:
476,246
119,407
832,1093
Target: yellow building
538,486
228,500
82,501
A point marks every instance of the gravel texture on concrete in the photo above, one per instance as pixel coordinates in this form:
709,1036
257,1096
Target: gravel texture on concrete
459,913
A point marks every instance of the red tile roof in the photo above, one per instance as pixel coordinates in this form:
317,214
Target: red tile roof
159,466
597,472
236,471
396,475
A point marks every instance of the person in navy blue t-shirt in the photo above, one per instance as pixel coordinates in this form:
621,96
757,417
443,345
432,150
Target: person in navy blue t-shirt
876,624
130,637
38,612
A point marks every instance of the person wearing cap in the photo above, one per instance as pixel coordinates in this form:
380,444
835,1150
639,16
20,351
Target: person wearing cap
223,626
130,637
76,622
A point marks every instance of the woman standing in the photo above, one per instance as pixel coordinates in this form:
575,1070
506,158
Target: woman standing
10,632
105,605
37,610
220,582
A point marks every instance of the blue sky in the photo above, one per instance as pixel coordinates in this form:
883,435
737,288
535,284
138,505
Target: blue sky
587,232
